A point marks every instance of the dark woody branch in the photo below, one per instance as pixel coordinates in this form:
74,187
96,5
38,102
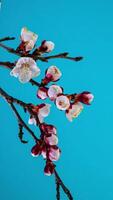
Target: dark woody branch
10,100
6,39
41,58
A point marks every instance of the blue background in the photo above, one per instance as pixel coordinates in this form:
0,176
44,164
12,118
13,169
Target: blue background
86,164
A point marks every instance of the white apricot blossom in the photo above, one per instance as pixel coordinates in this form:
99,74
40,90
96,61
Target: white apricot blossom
74,111
54,73
53,91
29,38
62,102
25,69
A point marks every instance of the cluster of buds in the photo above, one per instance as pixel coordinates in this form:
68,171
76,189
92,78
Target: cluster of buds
47,147
71,104
25,69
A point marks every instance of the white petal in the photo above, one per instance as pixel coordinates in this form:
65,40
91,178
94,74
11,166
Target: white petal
27,35
35,70
25,76
44,111
41,118
15,72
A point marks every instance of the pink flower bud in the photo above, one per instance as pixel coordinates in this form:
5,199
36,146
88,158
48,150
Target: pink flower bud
62,102
54,153
46,46
54,73
49,168
51,140
54,91
42,93
37,149
85,97
48,129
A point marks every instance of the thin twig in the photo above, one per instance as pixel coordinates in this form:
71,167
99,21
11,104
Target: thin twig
8,65
61,55
57,189
20,120
6,39
10,50
65,189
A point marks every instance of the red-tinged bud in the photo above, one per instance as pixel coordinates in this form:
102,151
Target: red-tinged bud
49,168
85,97
42,93
46,46
54,153
37,149
48,129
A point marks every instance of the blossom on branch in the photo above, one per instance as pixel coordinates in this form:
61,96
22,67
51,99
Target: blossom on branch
54,91
42,93
41,111
49,168
52,74
74,110
46,46
25,69
85,97
54,153
62,102
28,39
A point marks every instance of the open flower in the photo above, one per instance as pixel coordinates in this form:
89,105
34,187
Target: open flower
46,46
28,38
54,153
49,168
73,111
85,97
25,69
62,102
54,91
42,93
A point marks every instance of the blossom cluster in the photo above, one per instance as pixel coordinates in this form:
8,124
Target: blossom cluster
25,69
